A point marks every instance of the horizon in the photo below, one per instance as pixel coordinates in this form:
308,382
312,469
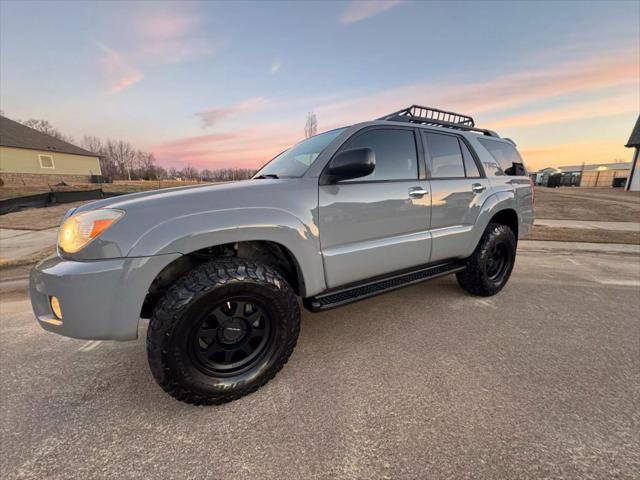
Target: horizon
217,85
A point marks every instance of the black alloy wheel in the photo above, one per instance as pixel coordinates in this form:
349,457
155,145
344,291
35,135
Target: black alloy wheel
231,336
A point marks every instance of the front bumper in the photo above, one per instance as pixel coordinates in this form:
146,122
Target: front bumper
100,300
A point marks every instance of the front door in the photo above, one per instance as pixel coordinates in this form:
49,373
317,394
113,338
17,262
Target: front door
376,224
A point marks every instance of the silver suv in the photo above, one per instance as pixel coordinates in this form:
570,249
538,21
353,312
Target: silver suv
339,217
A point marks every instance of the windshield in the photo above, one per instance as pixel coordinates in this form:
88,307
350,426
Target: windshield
297,160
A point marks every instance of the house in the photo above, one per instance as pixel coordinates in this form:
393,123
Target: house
584,175
633,179
30,157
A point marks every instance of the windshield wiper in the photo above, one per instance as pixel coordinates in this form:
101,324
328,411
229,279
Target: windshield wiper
267,175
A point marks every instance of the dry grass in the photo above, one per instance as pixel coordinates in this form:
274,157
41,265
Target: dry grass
601,204
554,234
120,186
37,218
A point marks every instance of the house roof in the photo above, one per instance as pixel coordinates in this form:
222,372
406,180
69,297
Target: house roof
595,166
634,139
587,168
14,134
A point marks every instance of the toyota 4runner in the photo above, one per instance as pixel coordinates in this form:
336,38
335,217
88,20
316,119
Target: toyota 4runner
339,217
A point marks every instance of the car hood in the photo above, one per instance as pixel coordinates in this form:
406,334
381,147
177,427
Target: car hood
193,197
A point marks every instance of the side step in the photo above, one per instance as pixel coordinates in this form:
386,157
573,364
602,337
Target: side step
361,291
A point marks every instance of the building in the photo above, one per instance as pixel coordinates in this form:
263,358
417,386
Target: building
633,179
585,175
30,157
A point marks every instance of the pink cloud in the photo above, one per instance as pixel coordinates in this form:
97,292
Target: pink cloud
516,90
619,104
358,10
212,116
119,72
166,26
247,148
170,37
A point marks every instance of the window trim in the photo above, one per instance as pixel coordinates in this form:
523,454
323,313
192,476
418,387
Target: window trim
53,165
460,138
421,174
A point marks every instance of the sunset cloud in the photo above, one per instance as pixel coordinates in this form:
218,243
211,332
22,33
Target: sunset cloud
248,148
120,74
213,116
170,36
525,90
358,10
275,66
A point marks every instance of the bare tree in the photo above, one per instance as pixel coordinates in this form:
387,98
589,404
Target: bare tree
189,172
123,156
45,127
311,127
93,144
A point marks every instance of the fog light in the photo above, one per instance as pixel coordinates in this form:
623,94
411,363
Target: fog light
55,307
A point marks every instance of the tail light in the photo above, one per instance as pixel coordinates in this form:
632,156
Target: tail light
533,190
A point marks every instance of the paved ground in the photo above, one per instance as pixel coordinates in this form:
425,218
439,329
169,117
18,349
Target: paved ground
17,244
427,382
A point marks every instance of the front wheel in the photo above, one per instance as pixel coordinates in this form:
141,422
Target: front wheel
490,265
222,331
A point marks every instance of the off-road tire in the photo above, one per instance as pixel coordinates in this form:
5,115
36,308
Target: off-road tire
174,317
475,278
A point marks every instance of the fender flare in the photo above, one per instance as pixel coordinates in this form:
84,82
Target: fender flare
498,201
188,233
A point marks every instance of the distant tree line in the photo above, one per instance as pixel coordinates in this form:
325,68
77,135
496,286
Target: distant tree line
120,160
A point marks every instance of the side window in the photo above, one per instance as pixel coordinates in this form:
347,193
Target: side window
506,155
445,155
395,150
470,166
46,161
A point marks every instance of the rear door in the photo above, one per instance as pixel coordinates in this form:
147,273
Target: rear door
377,224
458,189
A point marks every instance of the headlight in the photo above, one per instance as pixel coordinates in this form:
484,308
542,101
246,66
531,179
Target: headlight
80,229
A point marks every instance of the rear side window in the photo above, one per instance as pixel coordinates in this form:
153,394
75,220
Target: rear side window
507,157
449,157
395,150
445,155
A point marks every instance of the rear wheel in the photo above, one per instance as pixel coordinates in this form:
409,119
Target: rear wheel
490,265
222,331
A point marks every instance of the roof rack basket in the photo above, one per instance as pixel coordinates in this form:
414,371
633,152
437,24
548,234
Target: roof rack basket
436,117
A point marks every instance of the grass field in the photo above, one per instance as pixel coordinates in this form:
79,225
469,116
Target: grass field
119,186
601,204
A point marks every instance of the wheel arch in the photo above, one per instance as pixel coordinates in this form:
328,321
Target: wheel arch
269,252
501,206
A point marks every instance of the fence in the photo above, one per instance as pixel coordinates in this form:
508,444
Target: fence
51,198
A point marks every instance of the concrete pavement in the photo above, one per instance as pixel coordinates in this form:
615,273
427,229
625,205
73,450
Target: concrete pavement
540,381
19,244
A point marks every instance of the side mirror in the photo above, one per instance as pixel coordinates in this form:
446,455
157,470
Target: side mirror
349,164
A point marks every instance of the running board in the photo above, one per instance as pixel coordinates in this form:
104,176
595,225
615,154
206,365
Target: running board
361,291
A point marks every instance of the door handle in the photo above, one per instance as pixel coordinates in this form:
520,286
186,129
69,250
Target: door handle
478,188
417,192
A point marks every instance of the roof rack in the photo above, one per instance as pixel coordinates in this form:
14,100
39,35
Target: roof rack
436,117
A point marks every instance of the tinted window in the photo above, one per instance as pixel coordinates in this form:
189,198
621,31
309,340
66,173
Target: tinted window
445,156
470,166
395,151
506,155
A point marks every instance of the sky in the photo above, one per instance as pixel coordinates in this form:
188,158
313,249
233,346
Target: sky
224,84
